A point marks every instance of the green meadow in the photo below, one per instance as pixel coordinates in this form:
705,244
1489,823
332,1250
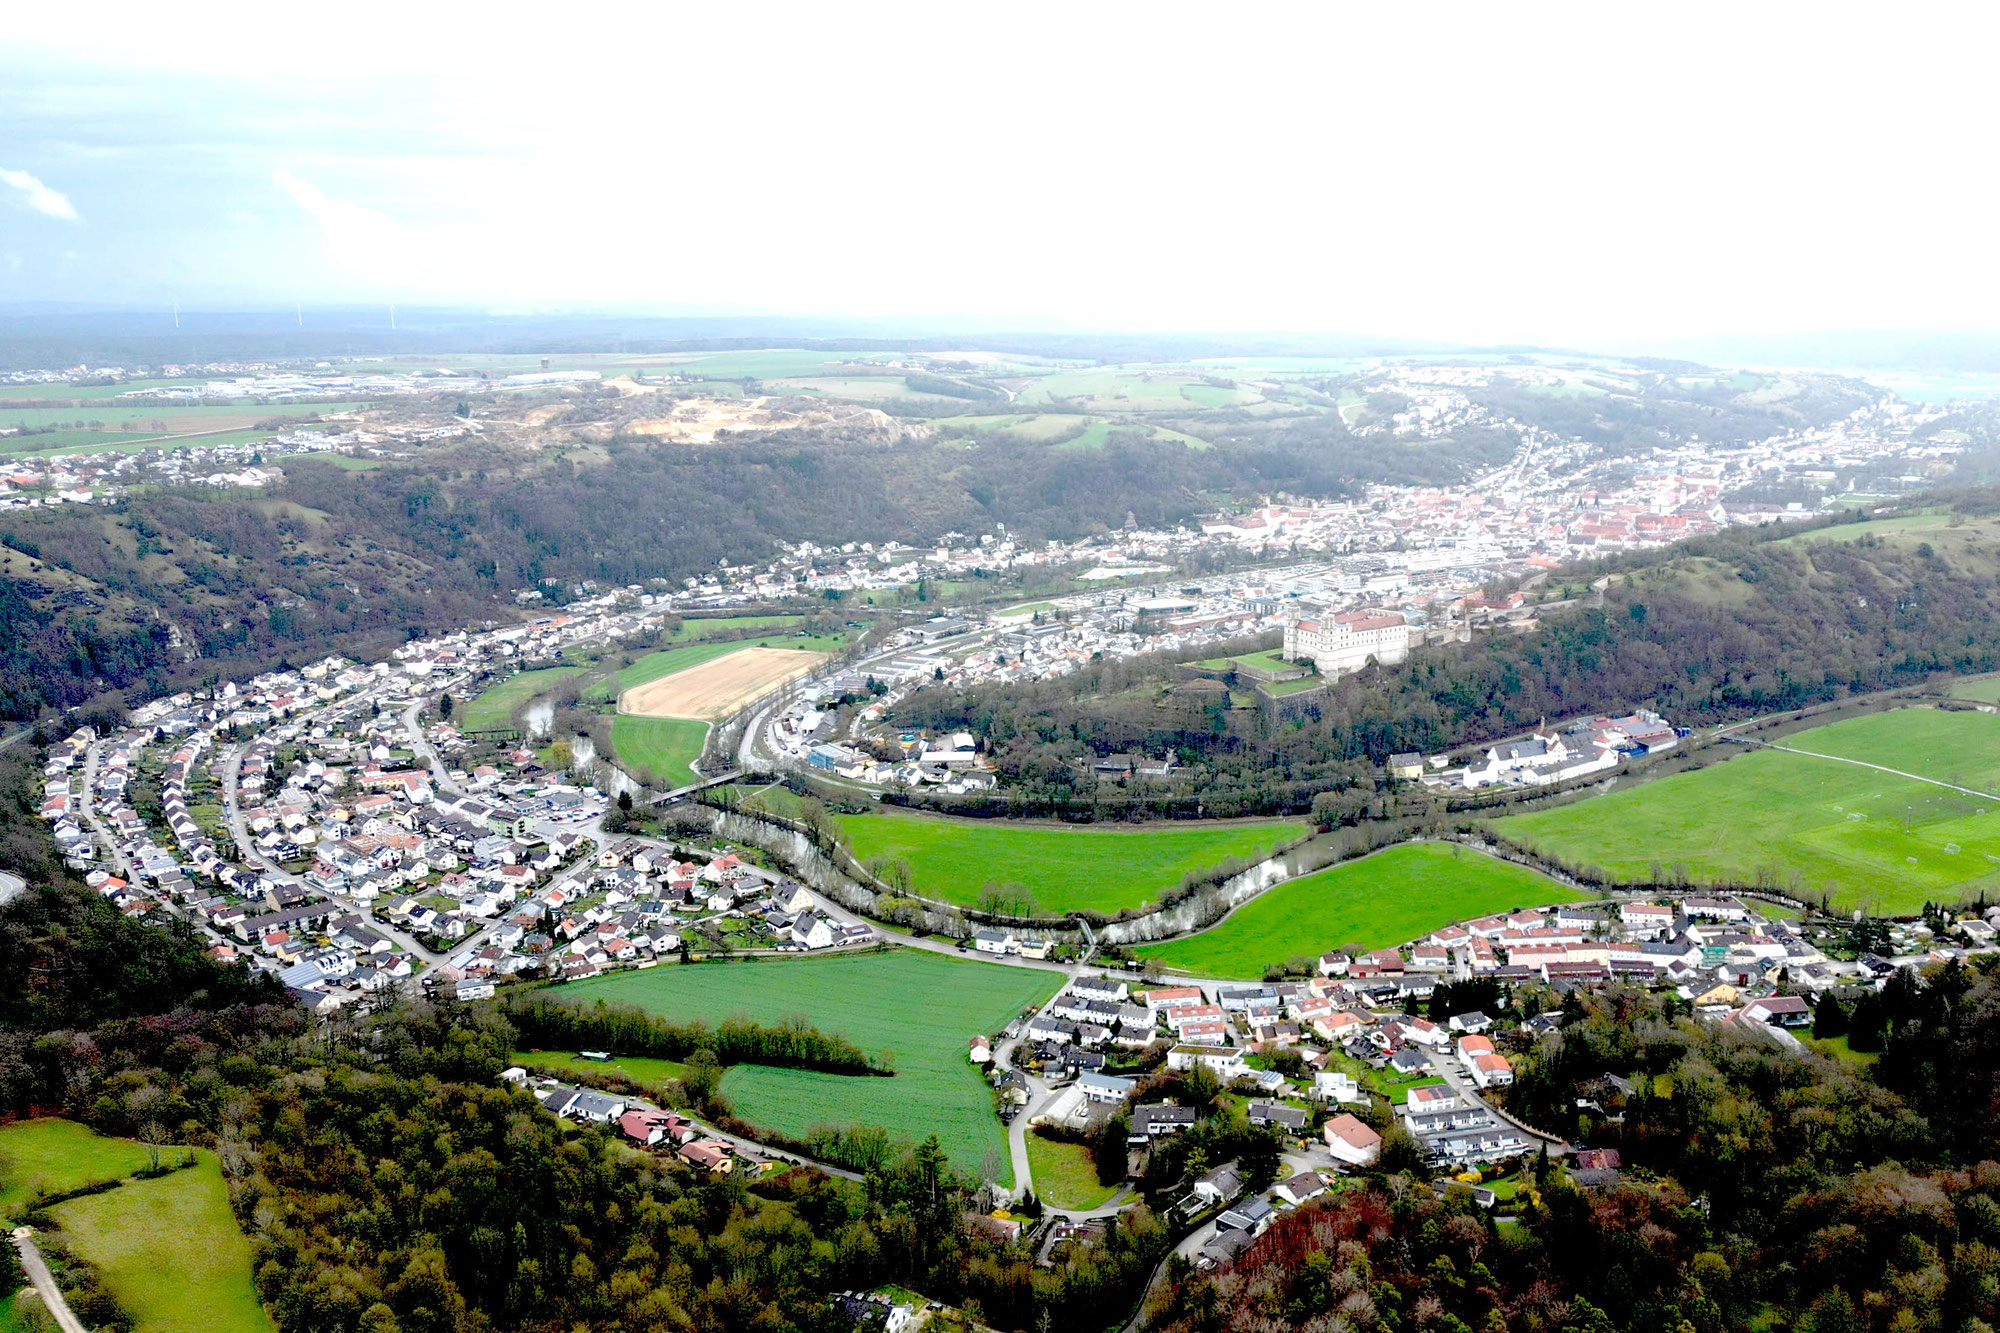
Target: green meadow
1065,867
170,1252
1377,901
495,708
916,1009
668,746
1859,837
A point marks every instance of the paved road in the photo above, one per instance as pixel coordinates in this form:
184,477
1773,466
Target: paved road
1452,1072
45,1283
87,807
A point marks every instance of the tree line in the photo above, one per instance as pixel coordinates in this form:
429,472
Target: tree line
547,1023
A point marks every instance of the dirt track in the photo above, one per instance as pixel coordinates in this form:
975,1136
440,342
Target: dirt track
717,688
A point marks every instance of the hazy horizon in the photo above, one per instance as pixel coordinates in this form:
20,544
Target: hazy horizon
1471,177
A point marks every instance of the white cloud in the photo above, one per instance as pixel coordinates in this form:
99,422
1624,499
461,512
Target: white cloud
1561,173
38,196
361,239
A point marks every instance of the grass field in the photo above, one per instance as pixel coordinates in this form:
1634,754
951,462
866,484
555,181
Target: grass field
13,1316
1064,1174
1066,867
1377,901
1879,527
1985,690
495,708
669,746
1113,388
775,798
919,1007
58,1155
1268,660
692,631
1864,838
639,1068
170,1252
1279,689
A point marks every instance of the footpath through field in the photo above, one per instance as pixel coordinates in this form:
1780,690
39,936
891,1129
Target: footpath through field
1863,763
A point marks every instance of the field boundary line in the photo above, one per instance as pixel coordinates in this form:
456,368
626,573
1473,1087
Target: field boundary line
1879,768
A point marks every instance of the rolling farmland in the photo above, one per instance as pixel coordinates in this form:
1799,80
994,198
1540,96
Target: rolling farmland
1372,903
1065,867
919,1007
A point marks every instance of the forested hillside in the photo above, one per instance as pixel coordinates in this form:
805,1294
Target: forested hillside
1748,622
172,585
1761,1189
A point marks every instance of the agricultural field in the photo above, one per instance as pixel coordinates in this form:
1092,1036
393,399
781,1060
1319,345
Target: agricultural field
773,363
1065,1175
1094,437
52,1156
1371,903
1065,867
664,663
720,686
1132,390
494,709
692,631
132,424
1811,825
668,746
920,1008
170,1251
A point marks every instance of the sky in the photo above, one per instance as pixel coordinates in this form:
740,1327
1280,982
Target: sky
1561,175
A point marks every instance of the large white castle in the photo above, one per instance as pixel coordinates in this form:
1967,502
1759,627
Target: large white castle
1347,641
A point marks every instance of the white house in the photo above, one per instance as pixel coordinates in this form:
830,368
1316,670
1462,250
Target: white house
1336,1086
1350,1141
1105,1089
812,931
1226,1061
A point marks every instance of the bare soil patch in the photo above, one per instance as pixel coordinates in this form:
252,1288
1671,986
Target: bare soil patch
717,688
